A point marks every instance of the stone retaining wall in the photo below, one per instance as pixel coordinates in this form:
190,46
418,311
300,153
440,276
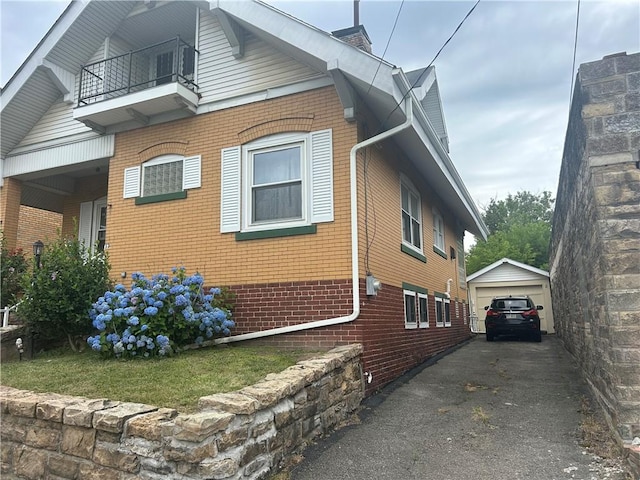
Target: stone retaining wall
240,435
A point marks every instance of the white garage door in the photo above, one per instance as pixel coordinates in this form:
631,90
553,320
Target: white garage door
485,294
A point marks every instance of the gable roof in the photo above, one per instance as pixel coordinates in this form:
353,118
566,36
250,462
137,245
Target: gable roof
357,75
507,261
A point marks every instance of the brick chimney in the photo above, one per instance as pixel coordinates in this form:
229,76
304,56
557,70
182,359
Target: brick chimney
356,36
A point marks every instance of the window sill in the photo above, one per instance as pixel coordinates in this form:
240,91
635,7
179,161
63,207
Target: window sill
165,197
413,253
278,232
410,326
439,252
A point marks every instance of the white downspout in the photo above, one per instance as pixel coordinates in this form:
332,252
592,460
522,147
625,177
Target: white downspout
354,242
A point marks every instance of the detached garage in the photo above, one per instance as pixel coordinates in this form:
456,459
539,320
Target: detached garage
508,277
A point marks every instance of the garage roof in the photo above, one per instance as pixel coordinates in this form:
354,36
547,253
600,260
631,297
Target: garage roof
507,262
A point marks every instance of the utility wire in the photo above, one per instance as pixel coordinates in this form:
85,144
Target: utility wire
382,125
387,46
575,48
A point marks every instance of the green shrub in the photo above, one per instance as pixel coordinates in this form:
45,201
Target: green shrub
13,265
58,296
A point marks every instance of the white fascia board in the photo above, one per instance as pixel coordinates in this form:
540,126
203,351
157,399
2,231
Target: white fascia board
45,46
432,142
60,156
310,40
502,261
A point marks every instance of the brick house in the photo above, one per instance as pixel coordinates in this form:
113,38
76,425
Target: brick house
270,156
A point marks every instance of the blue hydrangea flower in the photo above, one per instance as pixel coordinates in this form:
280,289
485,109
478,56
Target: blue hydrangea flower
151,311
133,321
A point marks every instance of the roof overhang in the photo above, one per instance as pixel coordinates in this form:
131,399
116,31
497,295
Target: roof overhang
503,261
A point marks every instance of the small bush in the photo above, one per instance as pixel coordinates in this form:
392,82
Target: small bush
13,264
158,316
59,294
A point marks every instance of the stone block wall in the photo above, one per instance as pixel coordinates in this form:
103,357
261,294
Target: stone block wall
595,246
240,435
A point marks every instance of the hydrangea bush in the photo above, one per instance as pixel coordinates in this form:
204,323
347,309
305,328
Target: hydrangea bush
158,316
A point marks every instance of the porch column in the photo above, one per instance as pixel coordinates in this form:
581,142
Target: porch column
10,194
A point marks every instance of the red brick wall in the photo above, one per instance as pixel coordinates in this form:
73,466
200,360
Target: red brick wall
265,306
389,348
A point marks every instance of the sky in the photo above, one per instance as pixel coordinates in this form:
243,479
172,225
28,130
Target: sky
504,78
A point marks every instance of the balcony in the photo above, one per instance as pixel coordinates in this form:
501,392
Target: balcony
138,85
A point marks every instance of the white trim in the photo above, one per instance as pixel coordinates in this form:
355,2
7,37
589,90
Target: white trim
502,261
274,143
405,294
438,221
60,156
426,299
262,95
405,182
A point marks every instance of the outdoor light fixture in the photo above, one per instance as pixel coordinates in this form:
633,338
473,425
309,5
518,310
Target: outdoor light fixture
38,248
19,347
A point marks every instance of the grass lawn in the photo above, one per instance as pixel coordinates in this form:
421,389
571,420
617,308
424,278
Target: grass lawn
176,382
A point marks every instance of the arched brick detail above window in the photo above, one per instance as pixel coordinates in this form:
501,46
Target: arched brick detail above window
298,123
164,148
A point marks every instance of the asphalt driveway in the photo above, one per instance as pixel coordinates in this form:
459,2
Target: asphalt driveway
504,410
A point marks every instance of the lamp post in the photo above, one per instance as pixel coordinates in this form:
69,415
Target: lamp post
38,247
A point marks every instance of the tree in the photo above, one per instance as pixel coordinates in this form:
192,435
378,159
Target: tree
521,209
59,294
520,229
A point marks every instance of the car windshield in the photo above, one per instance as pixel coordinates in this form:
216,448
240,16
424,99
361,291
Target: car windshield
511,304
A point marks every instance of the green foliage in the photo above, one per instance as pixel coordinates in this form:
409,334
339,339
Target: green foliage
58,296
519,209
13,265
520,229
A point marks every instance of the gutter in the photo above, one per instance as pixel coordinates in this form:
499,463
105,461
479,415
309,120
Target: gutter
354,242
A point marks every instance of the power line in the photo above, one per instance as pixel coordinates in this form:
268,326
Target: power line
395,23
575,47
427,67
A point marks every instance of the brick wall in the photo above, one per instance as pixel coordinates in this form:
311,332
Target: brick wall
155,237
595,247
9,211
36,224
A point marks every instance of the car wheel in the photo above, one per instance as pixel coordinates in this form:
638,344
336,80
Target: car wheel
489,337
538,337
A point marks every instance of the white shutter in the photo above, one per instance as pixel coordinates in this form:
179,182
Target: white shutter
85,224
321,177
131,182
191,173
230,194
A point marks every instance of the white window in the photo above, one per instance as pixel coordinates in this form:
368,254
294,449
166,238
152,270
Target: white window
281,181
162,175
423,312
443,313
410,320
438,231
411,215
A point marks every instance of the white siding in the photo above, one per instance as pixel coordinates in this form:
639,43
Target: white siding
221,75
507,273
56,123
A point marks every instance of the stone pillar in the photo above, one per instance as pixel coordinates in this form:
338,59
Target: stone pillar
10,194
